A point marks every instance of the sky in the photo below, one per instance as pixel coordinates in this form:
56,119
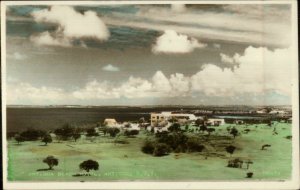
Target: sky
149,54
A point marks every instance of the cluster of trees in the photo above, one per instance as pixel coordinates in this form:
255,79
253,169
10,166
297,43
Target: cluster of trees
30,135
173,141
67,131
86,165
63,133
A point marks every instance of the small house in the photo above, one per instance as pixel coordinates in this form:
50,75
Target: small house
110,122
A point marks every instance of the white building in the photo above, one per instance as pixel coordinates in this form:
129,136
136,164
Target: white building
277,112
164,117
130,126
110,122
215,121
262,111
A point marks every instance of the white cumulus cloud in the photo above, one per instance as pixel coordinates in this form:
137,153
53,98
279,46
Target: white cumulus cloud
71,25
25,93
110,68
45,38
172,42
227,59
259,71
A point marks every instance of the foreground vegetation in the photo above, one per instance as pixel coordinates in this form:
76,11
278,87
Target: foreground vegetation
181,154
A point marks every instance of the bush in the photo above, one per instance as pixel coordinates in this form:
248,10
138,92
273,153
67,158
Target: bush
131,132
193,145
121,141
289,137
161,149
235,163
148,147
249,174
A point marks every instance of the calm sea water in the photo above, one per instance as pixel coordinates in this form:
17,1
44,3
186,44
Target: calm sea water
19,119
51,118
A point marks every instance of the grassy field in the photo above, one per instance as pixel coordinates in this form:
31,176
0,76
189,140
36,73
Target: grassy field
126,162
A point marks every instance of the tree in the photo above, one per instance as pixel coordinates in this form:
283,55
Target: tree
89,165
210,130
200,122
91,132
235,163
234,132
203,128
113,131
51,161
230,149
19,138
65,132
76,136
175,127
47,139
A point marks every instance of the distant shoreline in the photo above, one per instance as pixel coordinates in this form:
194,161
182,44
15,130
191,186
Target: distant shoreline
143,106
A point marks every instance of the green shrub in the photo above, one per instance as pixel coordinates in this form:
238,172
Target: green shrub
194,145
148,147
161,149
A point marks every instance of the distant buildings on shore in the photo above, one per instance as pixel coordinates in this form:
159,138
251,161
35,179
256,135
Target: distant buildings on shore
165,119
